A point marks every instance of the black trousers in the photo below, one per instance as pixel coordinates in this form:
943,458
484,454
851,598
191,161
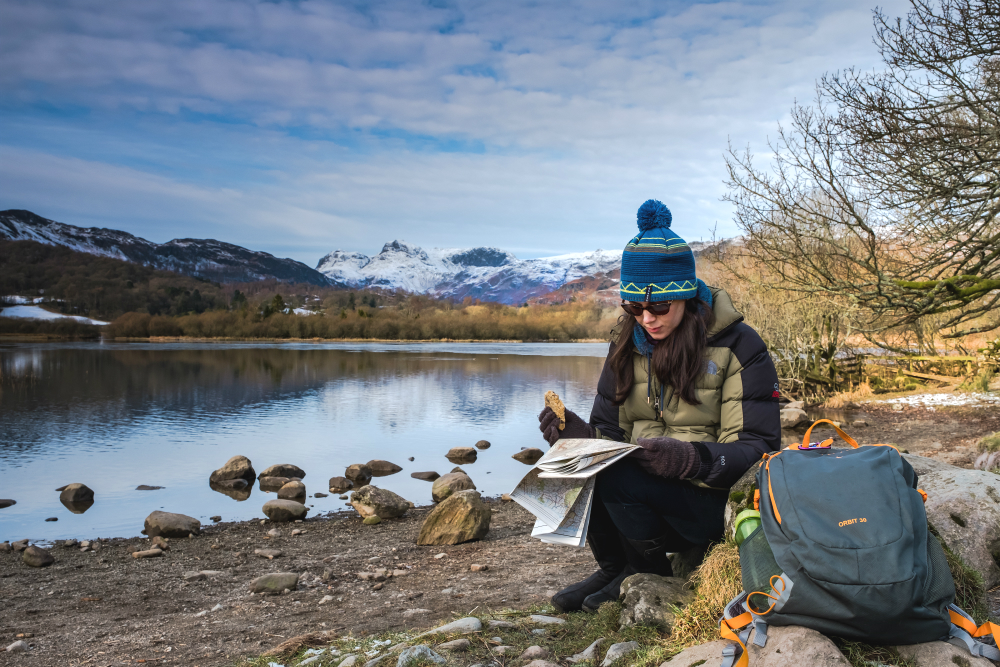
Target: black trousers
633,504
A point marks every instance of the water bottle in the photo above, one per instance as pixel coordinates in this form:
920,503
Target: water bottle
746,522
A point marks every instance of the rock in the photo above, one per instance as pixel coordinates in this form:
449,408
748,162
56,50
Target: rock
382,468
542,663
348,661
194,576
476,567
459,518
462,626
695,656
274,533
272,484
420,653
483,444
502,650
358,473
284,510
546,620
37,557
237,489
590,653
933,654
651,599
319,495
269,554
215,519
446,485
343,497
794,646
792,417
618,651
238,467
454,645
6,502
859,423
167,524
462,455
159,542
340,484
53,518
529,456
326,598
284,470
796,405
293,491
964,507
740,498
372,520
5,548
416,612
76,493
428,476
17,647
373,501
534,653
19,546
148,553
275,583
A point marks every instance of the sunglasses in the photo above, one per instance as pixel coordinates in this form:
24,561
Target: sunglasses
635,308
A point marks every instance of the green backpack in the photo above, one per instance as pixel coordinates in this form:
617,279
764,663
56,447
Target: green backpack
843,548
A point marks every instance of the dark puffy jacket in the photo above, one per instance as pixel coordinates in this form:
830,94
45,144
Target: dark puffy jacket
737,421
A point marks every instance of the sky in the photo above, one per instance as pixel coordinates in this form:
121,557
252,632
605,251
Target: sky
298,128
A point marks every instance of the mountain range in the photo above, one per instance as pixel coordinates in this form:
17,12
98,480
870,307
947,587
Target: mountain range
484,273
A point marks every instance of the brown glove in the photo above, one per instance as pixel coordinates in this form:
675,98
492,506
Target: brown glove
667,457
548,424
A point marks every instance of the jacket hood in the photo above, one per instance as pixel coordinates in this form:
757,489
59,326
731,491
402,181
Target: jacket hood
725,312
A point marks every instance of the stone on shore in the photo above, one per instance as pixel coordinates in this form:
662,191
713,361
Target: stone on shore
359,473
293,491
273,483
147,487
933,654
373,501
269,554
618,651
237,489
284,510
461,517
483,444
446,485
794,646
6,502
37,557
372,520
148,553
238,467
284,470
275,583
651,600
382,468
792,417
77,497
703,654
461,455
428,476
421,653
17,647
340,484
168,524
529,456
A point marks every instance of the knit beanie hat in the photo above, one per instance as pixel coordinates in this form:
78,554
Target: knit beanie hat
658,265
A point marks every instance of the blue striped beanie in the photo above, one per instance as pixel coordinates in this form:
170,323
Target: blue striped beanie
658,265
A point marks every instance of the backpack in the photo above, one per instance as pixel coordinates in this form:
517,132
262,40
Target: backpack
844,549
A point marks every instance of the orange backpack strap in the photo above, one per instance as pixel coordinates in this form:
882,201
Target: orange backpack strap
964,628
848,439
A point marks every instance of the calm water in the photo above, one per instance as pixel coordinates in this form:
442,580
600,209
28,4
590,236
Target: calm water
115,416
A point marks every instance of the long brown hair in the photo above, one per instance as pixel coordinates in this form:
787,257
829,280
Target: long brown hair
678,360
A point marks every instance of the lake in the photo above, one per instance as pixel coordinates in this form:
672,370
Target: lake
118,415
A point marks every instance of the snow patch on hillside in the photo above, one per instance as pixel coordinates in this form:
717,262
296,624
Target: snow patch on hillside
39,313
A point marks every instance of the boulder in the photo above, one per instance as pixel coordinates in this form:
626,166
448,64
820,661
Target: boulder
284,510
37,557
6,502
382,468
168,524
421,654
650,599
237,489
964,507
618,651
373,501
428,476
284,470
794,646
933,654
359,473
695,656
529,456
461,517
293,491
453,482
76,493
238,467
483,444
273,483
275,583
792,417
461,455
740,497
340,484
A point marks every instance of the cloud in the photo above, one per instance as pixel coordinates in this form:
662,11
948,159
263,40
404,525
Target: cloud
531,126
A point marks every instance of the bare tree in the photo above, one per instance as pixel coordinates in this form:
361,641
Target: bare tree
885,193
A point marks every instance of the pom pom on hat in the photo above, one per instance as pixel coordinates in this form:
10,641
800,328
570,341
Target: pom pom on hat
653,214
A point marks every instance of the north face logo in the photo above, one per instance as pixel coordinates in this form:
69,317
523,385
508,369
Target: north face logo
712,369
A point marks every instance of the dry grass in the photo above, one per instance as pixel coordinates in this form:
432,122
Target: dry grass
840,399
717,582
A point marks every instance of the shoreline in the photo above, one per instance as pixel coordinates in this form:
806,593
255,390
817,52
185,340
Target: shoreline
225,339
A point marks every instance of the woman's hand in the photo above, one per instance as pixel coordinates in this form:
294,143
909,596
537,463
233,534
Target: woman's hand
548,424
667,457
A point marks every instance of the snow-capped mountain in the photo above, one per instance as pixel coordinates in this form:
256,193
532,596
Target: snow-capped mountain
204,258
488,274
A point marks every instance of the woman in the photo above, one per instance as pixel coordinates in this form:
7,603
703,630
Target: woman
705,414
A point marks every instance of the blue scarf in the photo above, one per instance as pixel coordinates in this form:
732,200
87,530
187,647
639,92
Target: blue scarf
644,345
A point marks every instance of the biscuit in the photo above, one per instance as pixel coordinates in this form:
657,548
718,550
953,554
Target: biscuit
552,401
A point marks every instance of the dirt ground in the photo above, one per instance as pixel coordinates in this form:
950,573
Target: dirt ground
106,608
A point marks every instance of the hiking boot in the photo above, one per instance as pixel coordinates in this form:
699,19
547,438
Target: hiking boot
612,591
571,598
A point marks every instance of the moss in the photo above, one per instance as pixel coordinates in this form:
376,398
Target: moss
860,654
737,497
990,443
